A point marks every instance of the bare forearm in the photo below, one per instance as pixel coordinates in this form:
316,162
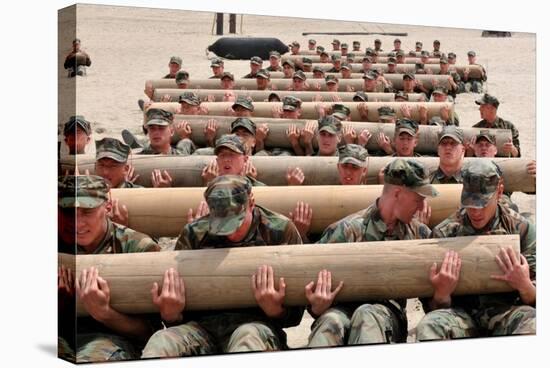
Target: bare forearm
529,296
135,327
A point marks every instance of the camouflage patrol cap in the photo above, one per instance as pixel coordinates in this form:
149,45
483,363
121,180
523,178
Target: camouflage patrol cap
245,123
262,73
323,53
231,141
76,40
155,113
367,59
216,62
175,60
275,54
400,53
480,182
377,41
443,60
360,96
471,53
440,90
436,42
273,96
256,60
401,94
227,197
160,121
295,44
335,42
392,61
227,75
408,75
436,121
452,131
84,191
406,126
190,98
350,57
320,49
397,40
386,112
243,101
77,121
410,174
289,63
486,133
356,43
299,74
336,57
346,66
291,103
369,75
418,43
318,69
451,55
330,124
182,77
391,54
412,53
487,99
353,154
312,41
331,78
369,51
307,61
424,53
340,111
419,66
112,148
344,46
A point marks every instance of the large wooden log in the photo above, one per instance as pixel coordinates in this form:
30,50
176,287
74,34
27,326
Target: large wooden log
261,96
307,53
359,58
284,84
218,279
186,171
162,212
309,109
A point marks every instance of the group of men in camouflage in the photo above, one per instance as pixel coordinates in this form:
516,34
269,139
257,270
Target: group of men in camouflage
90,222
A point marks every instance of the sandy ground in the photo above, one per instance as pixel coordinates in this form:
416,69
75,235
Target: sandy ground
129,45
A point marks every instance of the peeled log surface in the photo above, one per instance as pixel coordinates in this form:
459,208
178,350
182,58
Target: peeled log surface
162,212
359,58
308,52
186,170
261,96
218,279
284,84
309,110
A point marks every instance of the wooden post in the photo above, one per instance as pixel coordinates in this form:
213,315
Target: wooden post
220,278
219,24
232,23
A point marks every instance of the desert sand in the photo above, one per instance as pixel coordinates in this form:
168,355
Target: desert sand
130,45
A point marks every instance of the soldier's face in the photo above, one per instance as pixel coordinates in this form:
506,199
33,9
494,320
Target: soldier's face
484,148
318,75
332,87
407,203
287,71
439,97
174,68
346,73
298,84
77,142
91,224
182,85
480,217
188,109
400,59
327,143
370,85
230,162
307,68
112,171
291,114
367,65
311,46
227,83
424,59
408,84
254,68
324,58
76,46
471,59
241,112
274,61
337,63
159,136
450,151
391,68
444,67
405,144
247,138
351,174
487,112
217,70
397,45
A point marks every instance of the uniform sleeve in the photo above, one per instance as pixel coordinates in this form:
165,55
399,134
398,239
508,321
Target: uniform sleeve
528,244
515,138
292,236
184,241
341,232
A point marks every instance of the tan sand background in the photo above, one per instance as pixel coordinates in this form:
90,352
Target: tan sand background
130,45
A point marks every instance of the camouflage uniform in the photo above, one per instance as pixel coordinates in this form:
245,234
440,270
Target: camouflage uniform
233,330
278,68
94,341
381,321
115,150
332,125
475,84
184,147
254,60
406,126
235,144
173,60
499,123
491,314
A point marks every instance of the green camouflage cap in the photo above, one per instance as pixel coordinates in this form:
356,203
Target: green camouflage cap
391,54
346,66
276,54
231,141
244,123
436,42
320,49
227,197
344,46
410,174
443,60
112,148
295,44
331,78
377,41
182,76
323,53
175,60
392,61
418,43
330,124
312,41
77,121
243,101
386,112
487,99
480,182
191,98
353,154
406,126
408,75
289,63
262,73
471,53
356,43
424,53
440,90
336,57
335,41
299,74
158,121
418,66
451,55
256,60
84,191
307,61
216,62
273,96
400,53
369,75
486,133
368,59
155,113
412,53
318,69
397,40
350,57
291,103
401,94
227,75
452,131
436,121
340,111
360,96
